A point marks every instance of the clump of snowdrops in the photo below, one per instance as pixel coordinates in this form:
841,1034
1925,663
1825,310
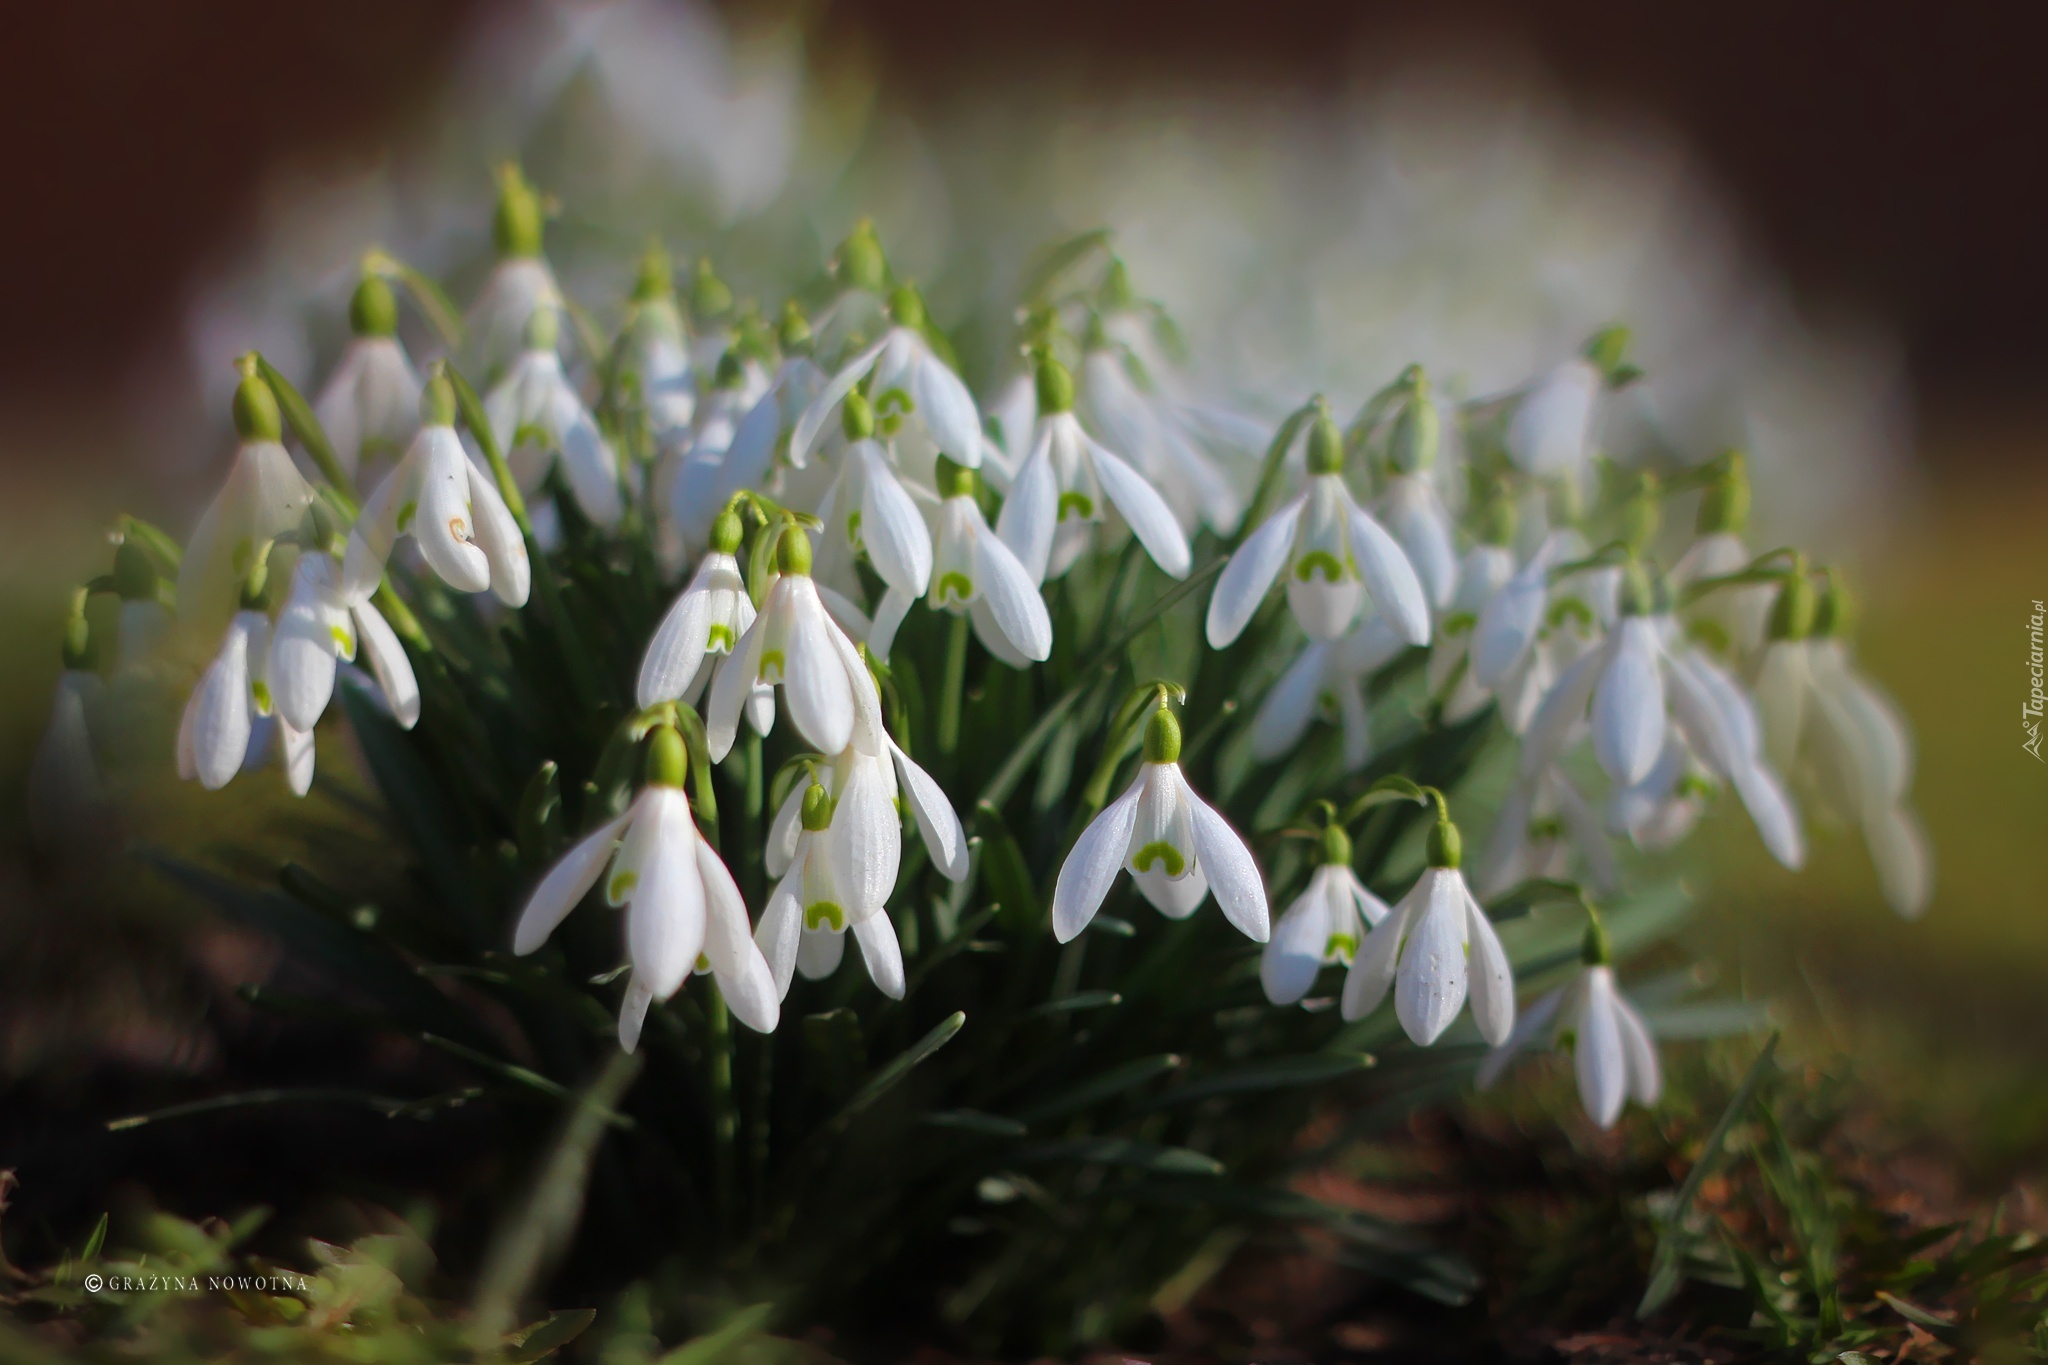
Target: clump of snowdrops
1176,779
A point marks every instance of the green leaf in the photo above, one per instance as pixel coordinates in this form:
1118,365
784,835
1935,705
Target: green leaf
713,1346
478,421
887,1079
548,1336
96,1241
974,1121
1707,1019
1114,927
256,1099
1118,1151
1056,259
1083,1000
298,415
1005,873
1276,1073
1942,1328
1111,1084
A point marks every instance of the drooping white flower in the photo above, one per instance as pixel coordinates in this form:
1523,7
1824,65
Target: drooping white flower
1323,927
1739,612
795,645
213,734
1333,555
974,572
1613,1055
64,776
1409,504
264,497
317,627
1160,439
371,404
1327,679
1531,629
1545,828
1176,847
683,911
520,285
751,457
866,510
658,348
540,422
448,506
823,893
692,482
1066,487
1624,681
941,411
700,630
1485,570
1551,431
1434,949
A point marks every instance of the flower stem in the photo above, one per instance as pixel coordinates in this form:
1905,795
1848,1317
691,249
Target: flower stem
724,1116
950,689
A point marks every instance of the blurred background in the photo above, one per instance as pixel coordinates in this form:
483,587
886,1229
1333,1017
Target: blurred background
1825,224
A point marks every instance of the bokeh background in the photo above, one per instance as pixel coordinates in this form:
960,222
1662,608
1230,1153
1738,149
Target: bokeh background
1825,222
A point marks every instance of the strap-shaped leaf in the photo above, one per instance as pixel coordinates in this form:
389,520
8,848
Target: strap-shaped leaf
890,1076
1115,1082
1275,1073
1120,1151
974,1121
298,415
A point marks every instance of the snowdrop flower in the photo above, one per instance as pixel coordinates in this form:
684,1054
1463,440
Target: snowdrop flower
866,510
1613,1055
1486,569
1409,505
540,421
1433,949
975,573
692,480
1718,724
1058,495
1327,679
1148,427
1738,612
658,349
1333,555
1550,434
941,408
371,405
793,644
683,912
1175,846
143,620
1531,629
521,284
702,626
441,499
64,775
749,461
1324,926
1543,829
1624,681
712,318
214,732
824,893
264,497
317,627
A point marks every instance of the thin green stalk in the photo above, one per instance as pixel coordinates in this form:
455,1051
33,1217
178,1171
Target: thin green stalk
725,1118
955,682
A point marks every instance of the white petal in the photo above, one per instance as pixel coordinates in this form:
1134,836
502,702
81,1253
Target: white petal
295,749
1013,599
889,614
1639,1050
1562,707
1550,426
1151,520
1372,971
1092,865
497,535
388,664
937,823
815,685
992,637
665,915
565,886
591,466
1430,987
865,841
1493,983
778,932
1288,966
376,529
441,521
818,952
785,830
1233,873
1417,519
677,649
1777,824
303,649
1598,1059
881,953
1249,575
741,971
1389,577
221,707
1628,703
1903,858
813,419
1782,683
1290,704
1173,897
730,686
1508,625
633,1013
948,410
1032,510
891,528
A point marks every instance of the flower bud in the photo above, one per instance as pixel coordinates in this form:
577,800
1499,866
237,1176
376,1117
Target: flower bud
857,417
517,223
1792,614
794,333
906,306
1833,615
656,279
1606,348
726,532
709,297
860,263
793,551
1446,845
1055,387
256,415
135,578
954,480
79,653
543,329
1724,507
1335,849
1642,513
1595,950
1413,445
373,309
1325,446
256,580
1162,737
437,400
817,809
1117,296
667,759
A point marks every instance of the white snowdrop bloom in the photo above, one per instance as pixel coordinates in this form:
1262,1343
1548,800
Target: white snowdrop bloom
64,775
1551,431
1613,1055
1328,680
866,510
1175,846
701,628
795,645
1484,571
974,572
820,896
448,506
692,482
1624,682
1514,616
317,627
1544,829
1409,504
683,912
371,404
1432,950
540,422
520,285
1015,414
1149,427
1719,725
1323,927
751,457
941,408
1068,484
264,497
213,734
658,348
1333,556
1739,612
713,320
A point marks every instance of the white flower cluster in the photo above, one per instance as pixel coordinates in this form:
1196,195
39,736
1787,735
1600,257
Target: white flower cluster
1476,542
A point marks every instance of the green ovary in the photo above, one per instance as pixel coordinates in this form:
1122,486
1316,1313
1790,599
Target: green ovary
818,914
1159,851
1079,504
1307,566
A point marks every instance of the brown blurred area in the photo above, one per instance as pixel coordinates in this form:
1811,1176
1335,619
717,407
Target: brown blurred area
1887,156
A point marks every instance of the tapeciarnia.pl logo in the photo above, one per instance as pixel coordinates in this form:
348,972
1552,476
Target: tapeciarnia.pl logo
2030,713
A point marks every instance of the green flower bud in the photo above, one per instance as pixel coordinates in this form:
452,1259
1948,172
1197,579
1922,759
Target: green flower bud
256,582
906,306
517,224
1594,949
256,415
1116,287
1638,591
1335,850
79,652
794,333
135,577
1055,387
1792,614
817,809
954,480
1724,506
709,297
543,329
657,278
373,309
857,417
1325,446
1417,429
1162,737
860,263
1606,348
437,400
1446,845
793,551
667,760
1499,517
1833,615
726,532
1642,514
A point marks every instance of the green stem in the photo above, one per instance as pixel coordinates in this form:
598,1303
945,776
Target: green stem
752,835
725,1117
950,689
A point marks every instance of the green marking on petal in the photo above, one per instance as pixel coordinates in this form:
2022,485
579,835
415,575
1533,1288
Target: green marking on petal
720,637
853,527
1339,947
344,638
621,885
1159,851
1457,623
405,514
260,690
1080,504
1305,567
703,963
818,913
772,660
242,556
957,586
